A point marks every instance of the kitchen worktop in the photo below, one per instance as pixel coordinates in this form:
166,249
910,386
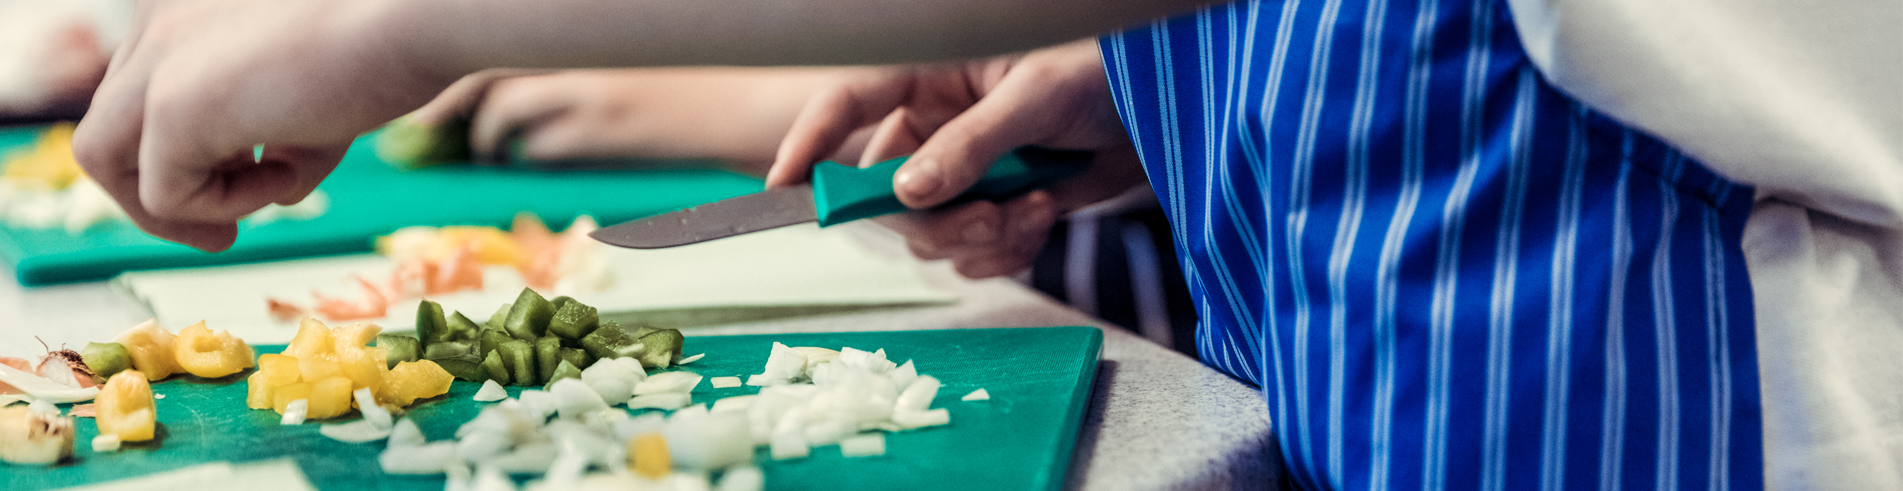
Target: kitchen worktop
1157,419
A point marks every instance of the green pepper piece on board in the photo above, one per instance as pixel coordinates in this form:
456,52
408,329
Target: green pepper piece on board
663,348
399,348
494,369
466,367
461,328
497,319
430,325
448,349
577,357
548,354
519,357
528,319
491,338
562,371
608,343
574,321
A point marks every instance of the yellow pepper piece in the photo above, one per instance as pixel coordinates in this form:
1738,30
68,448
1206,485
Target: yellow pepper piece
647,455
365,367
312,368
278,369
353,336
282,396
210,354
257,393
124,407
420,379
329,398
151,349
312,340
49,166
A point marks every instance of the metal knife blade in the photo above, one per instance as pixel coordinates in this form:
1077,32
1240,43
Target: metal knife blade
772,208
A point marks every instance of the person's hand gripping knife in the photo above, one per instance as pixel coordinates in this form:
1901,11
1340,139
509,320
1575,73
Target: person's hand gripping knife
956,119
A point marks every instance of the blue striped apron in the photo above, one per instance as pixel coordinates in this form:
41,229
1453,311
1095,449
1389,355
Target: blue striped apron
1443,273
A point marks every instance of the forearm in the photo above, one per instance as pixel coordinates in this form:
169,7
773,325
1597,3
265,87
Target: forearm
462,36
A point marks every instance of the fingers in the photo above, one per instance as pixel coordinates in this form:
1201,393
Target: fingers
893,137
831,117
509,109
982,239
309,166
960,152
461,98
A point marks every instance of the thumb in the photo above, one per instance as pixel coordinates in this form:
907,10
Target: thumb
962,150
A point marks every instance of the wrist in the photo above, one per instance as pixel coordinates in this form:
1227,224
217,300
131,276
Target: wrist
414,40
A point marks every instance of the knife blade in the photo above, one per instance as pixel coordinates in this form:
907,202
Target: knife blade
837,194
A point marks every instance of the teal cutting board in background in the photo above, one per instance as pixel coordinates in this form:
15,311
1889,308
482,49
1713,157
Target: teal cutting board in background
1022,439
370,198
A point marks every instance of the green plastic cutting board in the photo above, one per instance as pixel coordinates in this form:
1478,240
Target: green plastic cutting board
1021,439
370,198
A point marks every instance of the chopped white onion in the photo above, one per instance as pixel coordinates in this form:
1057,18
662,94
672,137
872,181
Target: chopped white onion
360,431
567,469
725,382
920,419
489,478
407,434
866,445
295,412
977,395
633,365
537,403
491,392
573,398
788,446
904,375
702,440
106,443
532,458
482,446
735,403
639,425
918,395
376,415
691,359
742,478
682,382
664,400
611,381
433,458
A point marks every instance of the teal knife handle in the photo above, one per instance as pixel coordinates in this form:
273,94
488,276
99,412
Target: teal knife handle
843,193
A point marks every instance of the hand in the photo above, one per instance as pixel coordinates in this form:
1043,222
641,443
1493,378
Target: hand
955,120
732,114
198,84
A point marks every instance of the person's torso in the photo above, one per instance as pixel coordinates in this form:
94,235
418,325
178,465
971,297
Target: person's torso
1443,273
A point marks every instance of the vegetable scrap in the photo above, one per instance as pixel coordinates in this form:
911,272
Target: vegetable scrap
442,260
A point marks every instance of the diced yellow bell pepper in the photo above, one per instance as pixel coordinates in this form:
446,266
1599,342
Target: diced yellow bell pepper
281,396
208,354
151,348
366,367
257,393
317,367
354,336
410,381
329,398
124,407
647,456
278,369
312,340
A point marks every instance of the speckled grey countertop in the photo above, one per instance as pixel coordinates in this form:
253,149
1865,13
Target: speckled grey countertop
1157,419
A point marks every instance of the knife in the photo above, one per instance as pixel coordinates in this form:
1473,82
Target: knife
838,193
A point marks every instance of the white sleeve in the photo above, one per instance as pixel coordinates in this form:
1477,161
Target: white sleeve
1803,100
